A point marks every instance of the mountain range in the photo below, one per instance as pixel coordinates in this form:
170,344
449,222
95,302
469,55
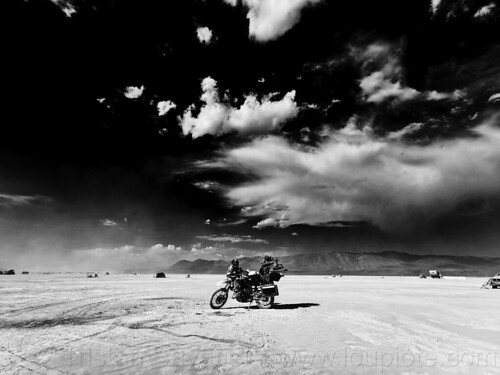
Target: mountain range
384,263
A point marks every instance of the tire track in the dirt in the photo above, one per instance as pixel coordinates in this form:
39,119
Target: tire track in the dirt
86,307
39,307
47,305
54,348
147,359
151,358
28,370
32,362
203,337
64,318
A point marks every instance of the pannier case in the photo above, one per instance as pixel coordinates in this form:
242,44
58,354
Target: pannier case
269,290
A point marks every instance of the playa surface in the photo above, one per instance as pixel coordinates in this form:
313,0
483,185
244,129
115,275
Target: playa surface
135,324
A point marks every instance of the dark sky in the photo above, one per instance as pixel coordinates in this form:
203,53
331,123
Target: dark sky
138,133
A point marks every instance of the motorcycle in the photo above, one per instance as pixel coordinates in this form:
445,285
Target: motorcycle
257,287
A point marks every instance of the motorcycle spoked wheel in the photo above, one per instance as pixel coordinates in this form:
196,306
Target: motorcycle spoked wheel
264,302
219,298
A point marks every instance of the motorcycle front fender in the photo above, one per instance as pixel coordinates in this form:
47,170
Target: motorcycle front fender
224,284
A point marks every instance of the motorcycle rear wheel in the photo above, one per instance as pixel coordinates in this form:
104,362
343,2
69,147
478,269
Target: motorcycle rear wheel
265,302
219,298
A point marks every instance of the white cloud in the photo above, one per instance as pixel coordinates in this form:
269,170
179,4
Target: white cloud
232,239
280,222
484,11
66,6
69,10
13,200
355,176
269,19
409,129
494,98
160,248
435,5
128,258
133,92
378,88
199,249
254,116
435,95
206,185
387,82
228,252
204,34
165,106
108,223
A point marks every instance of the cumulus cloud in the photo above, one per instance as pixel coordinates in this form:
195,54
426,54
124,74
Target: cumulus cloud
386,82
254,116
160,248
355,176
484,11
204,34
269,19
274,222
198,249
133,92
378,88
164,107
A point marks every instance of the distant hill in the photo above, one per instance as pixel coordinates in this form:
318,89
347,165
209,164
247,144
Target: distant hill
384,263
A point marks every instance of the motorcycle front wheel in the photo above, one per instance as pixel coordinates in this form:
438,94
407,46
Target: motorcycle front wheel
264,302
219,298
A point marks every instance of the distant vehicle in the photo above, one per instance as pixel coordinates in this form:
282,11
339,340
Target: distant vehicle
435,274
5,272
422,276
25,272
495,281
160,275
